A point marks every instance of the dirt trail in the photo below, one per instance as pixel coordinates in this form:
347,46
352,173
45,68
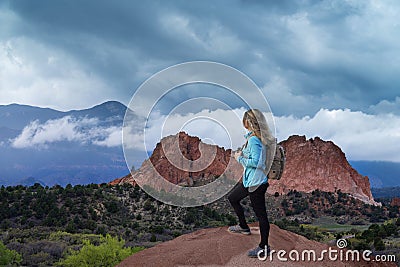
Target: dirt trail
218,247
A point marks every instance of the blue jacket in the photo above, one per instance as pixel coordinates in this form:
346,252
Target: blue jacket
253,161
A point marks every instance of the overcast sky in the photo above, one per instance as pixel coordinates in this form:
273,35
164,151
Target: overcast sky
335,60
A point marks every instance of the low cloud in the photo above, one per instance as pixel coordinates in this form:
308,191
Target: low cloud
386,106
109,137
70,129
361,136
220,127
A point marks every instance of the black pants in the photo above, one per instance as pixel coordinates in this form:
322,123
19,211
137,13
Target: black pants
257,199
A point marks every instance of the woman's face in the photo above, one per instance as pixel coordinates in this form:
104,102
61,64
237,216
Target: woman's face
246,124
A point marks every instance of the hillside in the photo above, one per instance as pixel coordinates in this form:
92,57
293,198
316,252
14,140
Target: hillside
42,223
218,247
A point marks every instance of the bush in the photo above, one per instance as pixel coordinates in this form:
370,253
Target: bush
176,233
378,244
157,229
110,252
231,220
9,257
153,238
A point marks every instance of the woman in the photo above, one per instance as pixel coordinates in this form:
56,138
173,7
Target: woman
254,181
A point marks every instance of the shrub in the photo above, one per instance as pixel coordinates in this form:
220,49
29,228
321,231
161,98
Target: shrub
9,257
153,238
110,252
378,244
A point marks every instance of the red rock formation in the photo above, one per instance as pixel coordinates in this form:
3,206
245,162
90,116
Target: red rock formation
174,170
314,163
395,201
184,160
126,179
311,164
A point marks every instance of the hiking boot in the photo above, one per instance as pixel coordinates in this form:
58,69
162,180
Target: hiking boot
258,252
238,229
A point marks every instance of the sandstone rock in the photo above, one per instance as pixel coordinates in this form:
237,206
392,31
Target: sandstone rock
185,161
128,179
204,162
395,201
311,164
317,164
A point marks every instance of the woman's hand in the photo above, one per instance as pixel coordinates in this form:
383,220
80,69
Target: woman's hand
237,154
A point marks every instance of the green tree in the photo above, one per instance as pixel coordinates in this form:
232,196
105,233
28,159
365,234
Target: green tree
110,252
9,257
378,244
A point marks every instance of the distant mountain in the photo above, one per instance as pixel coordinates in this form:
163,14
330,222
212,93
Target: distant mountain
57,147
110,109
16,116
7,133
380,173
386,192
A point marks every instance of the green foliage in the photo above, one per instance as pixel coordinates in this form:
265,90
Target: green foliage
359,244
157,229
73,238
309,232
9,257
176,233
231,219
338,210
30,214
153,238
374,235
190,216
378,244
110,252
148,205
112,206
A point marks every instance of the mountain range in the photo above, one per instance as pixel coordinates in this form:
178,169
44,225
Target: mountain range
54,147
84,146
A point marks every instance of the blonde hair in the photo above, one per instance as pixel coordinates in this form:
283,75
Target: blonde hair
259,126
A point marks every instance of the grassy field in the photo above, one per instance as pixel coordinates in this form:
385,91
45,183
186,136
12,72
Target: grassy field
329,224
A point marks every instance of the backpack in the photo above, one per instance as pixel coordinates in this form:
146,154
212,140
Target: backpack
278,163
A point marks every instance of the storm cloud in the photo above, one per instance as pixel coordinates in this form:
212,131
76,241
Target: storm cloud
338,54
328,68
